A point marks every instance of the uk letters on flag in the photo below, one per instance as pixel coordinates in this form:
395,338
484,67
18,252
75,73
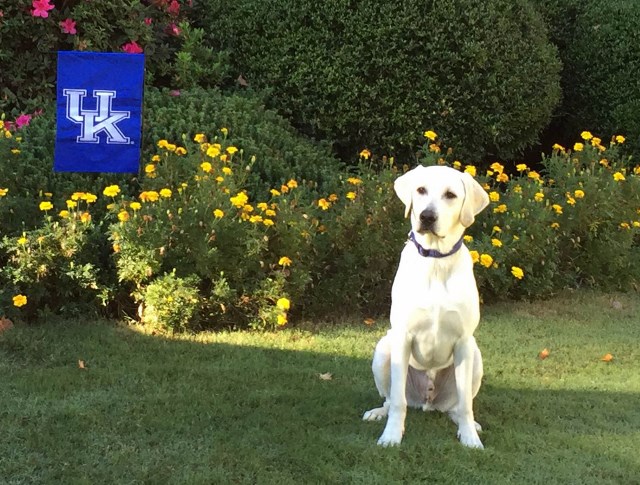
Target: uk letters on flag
99,112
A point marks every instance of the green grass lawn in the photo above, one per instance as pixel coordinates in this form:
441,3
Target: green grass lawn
251,408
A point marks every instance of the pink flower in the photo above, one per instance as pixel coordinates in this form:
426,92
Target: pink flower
174,92
68,27
132,48
23,120
173,29
174,8
41,8
148,21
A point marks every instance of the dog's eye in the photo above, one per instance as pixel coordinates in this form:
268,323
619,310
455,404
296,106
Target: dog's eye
422,190
449,195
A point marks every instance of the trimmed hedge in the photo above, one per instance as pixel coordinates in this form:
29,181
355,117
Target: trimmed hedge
373,73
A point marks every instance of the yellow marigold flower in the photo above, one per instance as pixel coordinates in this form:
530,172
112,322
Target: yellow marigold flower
224,157
181,151
135,206
595,141
22,240
255,218
636,170
333,198
199,138
19,300
224,131
274,192
123,216
578,147
570,200
431,135
618,177
71,204
475,256
218,214
292,184
586,135
604,162
171,147
625,225
533,175
283,304
231,150
116,247
284,261
85,217
517,189
149,196
226,171
77,195
268,222
434,148
470,169
555,225
15,151
366,154
64,214
239,200
149,168
111,191
351,195
457,165
166,193
155,158
282,320
247,208
494,196
89,198
578,194
538,197
163,143
502,177
496,229
496,242
3,192
354,181
486,260
521,167
284,189
497,167
557,208
46,205
500,209
219,179
636,223
324,204
517,272
467,238
263,206
213,151
620,139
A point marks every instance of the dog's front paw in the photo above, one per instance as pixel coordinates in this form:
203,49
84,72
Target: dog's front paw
468,436
375,414
390,437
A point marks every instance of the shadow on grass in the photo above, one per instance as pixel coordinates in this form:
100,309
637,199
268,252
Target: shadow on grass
154,410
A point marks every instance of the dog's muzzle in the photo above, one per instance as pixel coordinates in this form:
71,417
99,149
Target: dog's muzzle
428,219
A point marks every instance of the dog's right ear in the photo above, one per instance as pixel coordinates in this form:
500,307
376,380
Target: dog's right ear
404,189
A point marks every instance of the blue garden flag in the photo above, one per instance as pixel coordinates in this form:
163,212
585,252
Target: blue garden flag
99,112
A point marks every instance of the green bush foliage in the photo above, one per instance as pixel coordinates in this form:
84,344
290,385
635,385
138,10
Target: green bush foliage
597,43
366,74
158,28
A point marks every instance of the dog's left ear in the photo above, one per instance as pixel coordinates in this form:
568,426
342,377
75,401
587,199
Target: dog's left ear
475,199
404,190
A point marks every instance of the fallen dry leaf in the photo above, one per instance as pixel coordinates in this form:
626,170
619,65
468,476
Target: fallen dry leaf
5,324
607,358
544,353
369,321
81,364
327,376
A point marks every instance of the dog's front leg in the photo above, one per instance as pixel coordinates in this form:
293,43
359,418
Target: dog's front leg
400,350
463,355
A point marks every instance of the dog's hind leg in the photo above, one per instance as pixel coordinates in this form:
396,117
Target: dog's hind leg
381,367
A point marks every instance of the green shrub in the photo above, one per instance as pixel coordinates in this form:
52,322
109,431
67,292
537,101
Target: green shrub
597,43
27,82
367,74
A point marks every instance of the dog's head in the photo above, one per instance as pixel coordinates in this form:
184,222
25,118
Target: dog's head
441,200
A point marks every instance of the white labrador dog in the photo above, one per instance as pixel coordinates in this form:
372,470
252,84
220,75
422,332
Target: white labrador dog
429,358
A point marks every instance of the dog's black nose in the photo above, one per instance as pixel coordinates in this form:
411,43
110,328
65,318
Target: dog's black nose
428,217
